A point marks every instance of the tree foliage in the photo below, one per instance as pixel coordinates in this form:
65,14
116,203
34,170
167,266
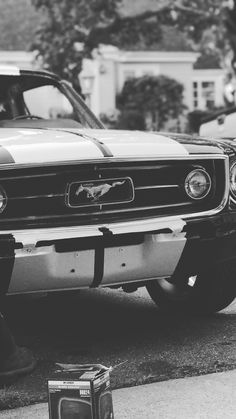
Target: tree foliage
66,25
71,29
230,22
17,22
150,101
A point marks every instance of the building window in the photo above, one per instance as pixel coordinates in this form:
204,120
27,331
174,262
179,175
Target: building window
195,95
203,95
208,93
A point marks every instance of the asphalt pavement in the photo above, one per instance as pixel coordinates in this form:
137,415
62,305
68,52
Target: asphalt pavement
211,396
139,343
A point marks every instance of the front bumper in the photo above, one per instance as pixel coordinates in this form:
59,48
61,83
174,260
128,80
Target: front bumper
91,256
119,253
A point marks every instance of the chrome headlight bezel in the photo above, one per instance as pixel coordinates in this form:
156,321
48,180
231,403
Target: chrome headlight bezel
3,199
189,179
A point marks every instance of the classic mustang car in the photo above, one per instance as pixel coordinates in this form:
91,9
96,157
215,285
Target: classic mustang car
84,206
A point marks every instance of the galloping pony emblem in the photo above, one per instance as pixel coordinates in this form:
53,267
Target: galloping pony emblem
94,193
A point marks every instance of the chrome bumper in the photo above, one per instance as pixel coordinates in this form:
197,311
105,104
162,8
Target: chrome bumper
39,266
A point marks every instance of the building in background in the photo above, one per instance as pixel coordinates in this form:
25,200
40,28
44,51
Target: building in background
207,88
104,75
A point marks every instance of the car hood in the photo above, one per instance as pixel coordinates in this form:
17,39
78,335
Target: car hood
32,146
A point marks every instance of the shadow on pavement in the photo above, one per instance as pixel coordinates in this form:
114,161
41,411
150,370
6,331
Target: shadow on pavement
113,328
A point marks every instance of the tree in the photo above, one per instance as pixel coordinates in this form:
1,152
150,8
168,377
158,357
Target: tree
67,32
230,23
150,101
17,22
71,29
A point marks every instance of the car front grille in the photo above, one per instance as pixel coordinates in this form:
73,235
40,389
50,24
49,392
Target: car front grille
36,196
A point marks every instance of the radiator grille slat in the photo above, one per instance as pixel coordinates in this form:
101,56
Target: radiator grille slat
149,187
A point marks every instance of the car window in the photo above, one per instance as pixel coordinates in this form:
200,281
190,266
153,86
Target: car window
35,99
48,102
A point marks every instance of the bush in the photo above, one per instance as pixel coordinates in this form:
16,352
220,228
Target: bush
149,102
132,120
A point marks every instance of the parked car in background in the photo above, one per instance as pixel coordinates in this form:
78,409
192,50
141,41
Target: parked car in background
83,207
220,124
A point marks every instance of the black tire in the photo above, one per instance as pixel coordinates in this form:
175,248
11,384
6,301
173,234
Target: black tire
213,290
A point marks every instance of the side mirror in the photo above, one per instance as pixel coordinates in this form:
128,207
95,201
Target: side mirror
221,119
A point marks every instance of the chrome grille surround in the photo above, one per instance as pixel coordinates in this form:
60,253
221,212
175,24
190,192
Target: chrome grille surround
36,193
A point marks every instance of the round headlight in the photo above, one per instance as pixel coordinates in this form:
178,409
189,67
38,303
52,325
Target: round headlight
3,199
233,179
197,184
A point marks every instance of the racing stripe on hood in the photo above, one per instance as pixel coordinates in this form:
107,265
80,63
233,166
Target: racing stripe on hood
123,144
29,146
5,156
102,147
33,146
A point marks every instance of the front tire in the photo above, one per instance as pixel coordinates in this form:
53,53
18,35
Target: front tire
210,291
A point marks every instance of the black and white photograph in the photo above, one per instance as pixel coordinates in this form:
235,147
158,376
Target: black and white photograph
117,209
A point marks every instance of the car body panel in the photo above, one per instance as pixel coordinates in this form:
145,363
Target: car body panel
193,143
126,144
143,246
45,146
38,269
220,124
32,146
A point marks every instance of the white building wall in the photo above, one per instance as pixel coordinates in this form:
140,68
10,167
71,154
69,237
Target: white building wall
107,86
126,64
135,69
89,79
215,76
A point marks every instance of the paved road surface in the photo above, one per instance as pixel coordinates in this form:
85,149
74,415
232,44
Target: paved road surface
114,328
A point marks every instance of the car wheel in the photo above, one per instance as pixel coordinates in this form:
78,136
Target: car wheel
210,291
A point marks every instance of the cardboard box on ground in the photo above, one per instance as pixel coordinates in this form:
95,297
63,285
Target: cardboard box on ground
80,392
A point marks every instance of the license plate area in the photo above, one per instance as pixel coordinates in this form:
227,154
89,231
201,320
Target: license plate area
73,245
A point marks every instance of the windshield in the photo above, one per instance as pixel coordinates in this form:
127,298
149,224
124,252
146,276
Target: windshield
34,100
